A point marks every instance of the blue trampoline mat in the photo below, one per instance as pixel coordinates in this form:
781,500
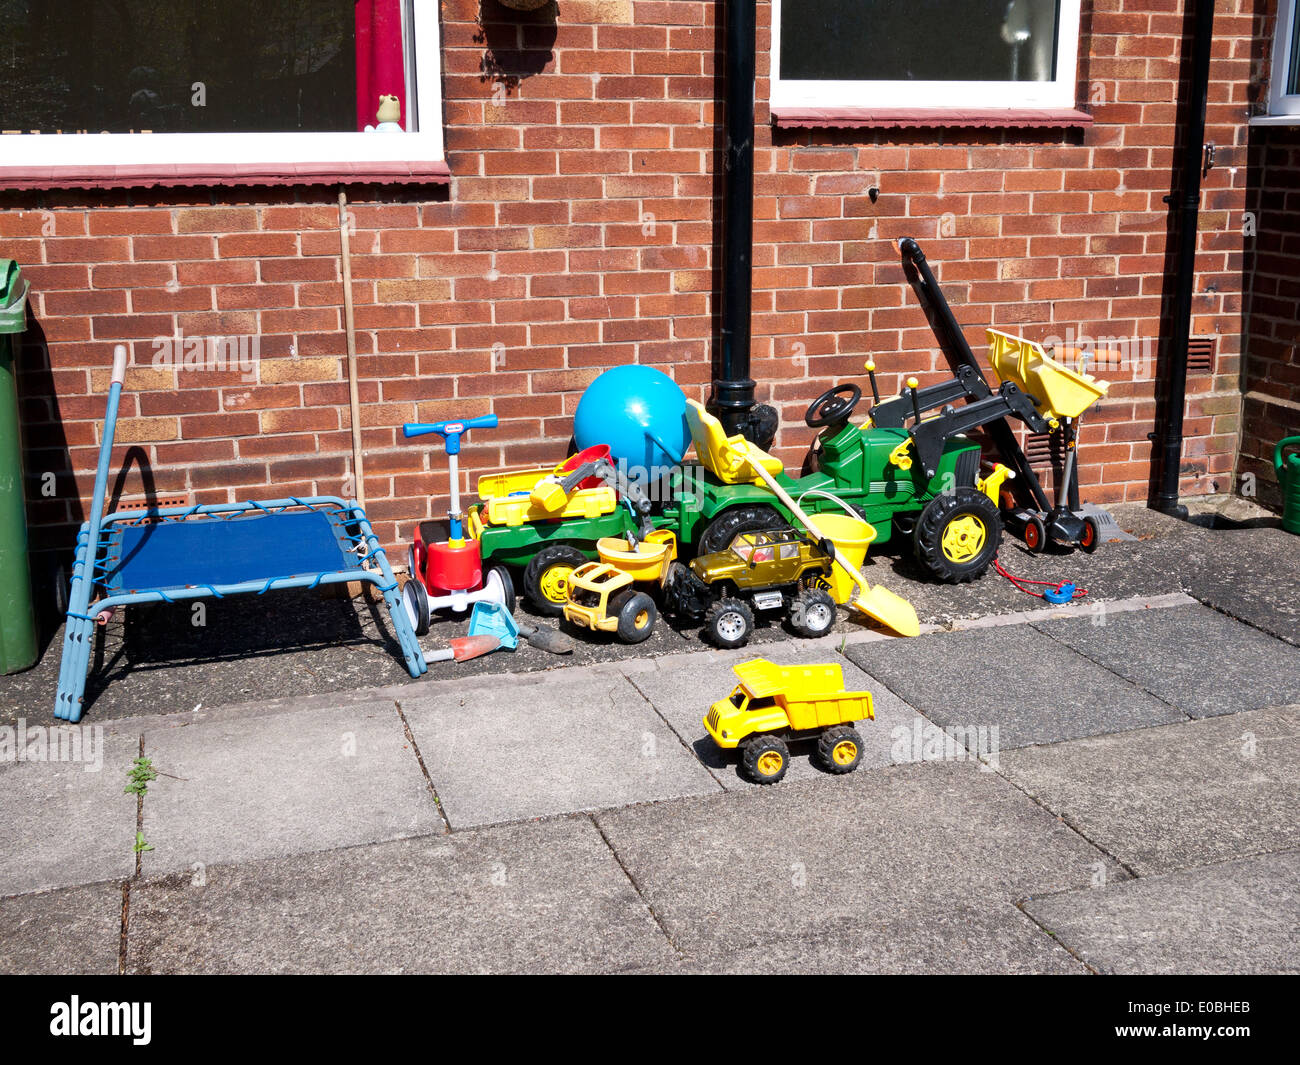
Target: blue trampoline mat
227,551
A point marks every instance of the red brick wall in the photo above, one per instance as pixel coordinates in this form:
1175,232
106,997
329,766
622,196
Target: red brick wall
1271,368
578,233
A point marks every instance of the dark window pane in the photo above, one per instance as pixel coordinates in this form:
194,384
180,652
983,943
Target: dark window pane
919,40
1293,73
130,65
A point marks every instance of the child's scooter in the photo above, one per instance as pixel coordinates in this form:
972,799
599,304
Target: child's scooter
448,575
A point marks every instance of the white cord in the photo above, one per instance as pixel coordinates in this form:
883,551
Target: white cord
833,498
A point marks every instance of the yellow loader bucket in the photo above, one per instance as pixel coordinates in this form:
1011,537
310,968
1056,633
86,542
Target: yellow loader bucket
1062,392
852,536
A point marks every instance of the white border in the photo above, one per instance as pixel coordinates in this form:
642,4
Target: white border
937,94
1279,103
195,151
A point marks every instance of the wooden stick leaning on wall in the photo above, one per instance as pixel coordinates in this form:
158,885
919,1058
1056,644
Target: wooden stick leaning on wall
349,323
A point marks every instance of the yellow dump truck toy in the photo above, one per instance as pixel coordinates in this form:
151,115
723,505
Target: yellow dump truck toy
774,704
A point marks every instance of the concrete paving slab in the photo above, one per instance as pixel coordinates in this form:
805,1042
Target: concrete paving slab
1180,795
547,743
682,687
1251,574
1199,660
995,938
544,897
889,860
70,931
240,787
1027,685
1234,917
67,822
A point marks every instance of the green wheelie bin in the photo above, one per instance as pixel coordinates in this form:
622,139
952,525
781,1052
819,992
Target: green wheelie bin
18,645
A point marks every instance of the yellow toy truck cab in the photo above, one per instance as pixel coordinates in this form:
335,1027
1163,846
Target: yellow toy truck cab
774,704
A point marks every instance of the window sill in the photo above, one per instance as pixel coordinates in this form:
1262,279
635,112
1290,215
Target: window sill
182,174
1274,120
929,118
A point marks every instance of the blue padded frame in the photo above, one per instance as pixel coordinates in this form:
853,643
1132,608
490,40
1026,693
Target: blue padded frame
100,538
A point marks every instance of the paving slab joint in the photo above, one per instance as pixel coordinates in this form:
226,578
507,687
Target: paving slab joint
663,928
419,760
1019,904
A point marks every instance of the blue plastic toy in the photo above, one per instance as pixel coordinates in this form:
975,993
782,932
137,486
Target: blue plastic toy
492,619
1062,593
639,412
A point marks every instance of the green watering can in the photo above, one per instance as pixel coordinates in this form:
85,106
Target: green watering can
1288,477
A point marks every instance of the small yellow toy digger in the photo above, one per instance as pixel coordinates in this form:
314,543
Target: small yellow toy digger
601,594
774,704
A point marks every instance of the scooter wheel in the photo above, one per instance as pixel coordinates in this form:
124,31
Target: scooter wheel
416,601
1090,538
1034,534
498,580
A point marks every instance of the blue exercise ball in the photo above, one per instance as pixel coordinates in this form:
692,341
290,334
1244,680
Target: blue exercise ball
639,412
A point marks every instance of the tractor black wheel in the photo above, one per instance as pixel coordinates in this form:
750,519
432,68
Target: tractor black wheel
764,758
839,749
636,615
723,528
957,535
813,612
546,580
728,623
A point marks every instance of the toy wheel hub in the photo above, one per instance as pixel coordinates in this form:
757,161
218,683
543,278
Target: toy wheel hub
769,763
845,752
555,583
818,615
963,539
731,626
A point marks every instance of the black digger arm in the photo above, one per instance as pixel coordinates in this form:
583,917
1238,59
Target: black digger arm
1029,492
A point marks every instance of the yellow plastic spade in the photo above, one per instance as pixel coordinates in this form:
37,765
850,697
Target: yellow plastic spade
735,460
886,607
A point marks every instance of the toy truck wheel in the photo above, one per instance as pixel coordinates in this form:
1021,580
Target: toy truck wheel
546,580
839,749
636,615
813,612
764,759
416,601
723,529
1090,538
728,623
957,535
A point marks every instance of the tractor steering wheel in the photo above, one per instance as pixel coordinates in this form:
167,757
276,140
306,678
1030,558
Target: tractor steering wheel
832,407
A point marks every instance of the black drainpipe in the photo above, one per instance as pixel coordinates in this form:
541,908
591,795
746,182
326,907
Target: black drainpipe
733,389
1168,438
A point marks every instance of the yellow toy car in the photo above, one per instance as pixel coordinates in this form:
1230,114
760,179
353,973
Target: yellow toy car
773,704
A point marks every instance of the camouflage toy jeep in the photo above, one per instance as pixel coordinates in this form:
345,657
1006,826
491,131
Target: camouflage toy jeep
771,569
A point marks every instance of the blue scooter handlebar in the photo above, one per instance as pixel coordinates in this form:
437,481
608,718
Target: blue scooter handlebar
450,430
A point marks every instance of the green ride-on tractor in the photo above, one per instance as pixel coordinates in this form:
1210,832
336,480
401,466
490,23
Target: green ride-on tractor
949,516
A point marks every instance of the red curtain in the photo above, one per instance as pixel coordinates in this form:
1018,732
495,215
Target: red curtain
381,70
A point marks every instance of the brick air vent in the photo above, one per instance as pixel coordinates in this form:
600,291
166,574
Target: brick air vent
1200,355
1040,450
157,504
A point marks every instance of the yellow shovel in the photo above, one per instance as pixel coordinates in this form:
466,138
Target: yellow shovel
880,603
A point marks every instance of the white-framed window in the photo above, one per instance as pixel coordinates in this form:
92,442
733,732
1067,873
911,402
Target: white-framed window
200,86
1284,81
958,54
